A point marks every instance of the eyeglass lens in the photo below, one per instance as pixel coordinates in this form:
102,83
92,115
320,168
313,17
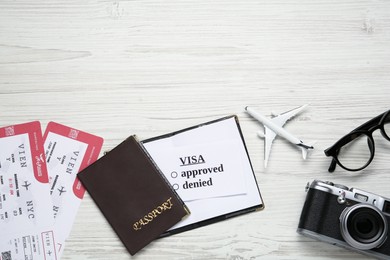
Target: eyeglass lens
359,149
357,153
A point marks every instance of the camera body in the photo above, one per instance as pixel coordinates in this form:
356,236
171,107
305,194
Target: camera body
350,218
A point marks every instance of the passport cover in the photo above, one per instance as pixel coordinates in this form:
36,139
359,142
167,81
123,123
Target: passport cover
133,194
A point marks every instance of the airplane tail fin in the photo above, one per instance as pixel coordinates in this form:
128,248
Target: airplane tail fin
305,149
304,153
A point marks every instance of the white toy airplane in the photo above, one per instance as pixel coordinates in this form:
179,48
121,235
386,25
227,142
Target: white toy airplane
274,126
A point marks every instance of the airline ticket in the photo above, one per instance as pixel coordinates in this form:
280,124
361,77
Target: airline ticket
24,190
67,151
25,202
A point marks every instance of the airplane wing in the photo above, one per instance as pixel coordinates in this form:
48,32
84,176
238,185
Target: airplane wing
282,118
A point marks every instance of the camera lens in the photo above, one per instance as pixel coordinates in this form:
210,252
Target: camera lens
363,226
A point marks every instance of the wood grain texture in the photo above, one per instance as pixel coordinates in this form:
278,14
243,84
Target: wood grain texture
116,68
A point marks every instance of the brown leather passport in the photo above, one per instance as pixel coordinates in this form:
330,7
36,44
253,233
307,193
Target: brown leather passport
133,194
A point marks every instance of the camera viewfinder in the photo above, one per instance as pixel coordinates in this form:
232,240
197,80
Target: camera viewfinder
361,197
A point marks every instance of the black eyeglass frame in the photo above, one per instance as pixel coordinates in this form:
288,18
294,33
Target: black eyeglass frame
366,129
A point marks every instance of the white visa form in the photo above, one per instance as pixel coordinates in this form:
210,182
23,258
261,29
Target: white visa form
209,167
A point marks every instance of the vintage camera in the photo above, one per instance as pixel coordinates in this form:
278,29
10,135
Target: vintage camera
350,218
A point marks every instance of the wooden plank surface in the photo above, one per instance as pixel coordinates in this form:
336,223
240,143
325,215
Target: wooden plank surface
116,68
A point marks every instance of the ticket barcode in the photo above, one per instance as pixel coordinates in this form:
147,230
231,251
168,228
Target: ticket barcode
6,255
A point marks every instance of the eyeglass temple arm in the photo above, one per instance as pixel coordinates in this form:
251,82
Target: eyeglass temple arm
332,166
370,123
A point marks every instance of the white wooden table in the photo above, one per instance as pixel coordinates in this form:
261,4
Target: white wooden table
116,68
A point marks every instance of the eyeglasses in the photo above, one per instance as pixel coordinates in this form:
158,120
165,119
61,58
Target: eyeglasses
355,151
